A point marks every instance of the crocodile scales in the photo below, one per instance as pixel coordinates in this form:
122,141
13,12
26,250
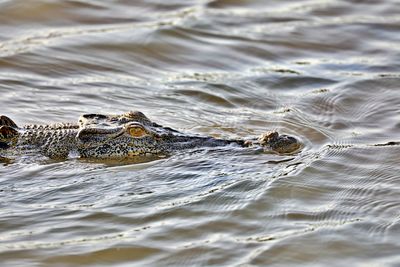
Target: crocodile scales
117,136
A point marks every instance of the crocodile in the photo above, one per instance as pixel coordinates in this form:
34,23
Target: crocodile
120,136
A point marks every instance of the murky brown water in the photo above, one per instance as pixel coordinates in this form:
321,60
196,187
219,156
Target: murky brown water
327,72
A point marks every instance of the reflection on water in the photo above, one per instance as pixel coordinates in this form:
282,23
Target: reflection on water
326,72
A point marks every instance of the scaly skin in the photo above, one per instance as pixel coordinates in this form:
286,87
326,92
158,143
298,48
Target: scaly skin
117,136
53,141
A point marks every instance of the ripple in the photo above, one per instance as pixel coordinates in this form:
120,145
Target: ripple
112,255
325,72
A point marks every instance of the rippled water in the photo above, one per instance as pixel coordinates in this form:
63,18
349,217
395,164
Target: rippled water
327,72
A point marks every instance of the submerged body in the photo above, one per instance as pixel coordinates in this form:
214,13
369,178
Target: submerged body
117,136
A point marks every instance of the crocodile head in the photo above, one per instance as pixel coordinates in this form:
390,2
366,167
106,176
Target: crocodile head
133,134
114,136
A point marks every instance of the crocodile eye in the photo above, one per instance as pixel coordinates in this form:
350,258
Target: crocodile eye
137,131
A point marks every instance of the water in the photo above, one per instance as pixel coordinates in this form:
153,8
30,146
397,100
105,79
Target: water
326,72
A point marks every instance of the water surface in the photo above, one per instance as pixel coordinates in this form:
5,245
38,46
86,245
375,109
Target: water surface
327,72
